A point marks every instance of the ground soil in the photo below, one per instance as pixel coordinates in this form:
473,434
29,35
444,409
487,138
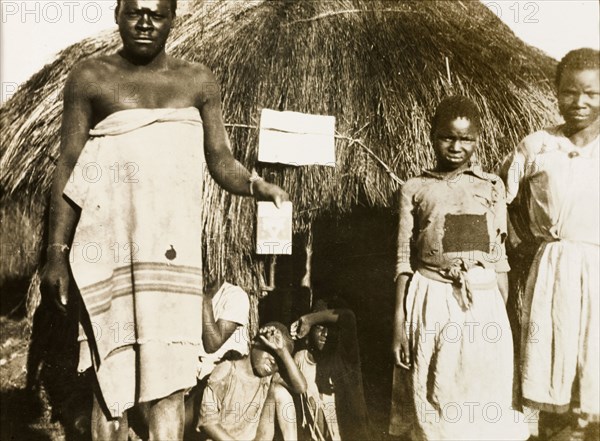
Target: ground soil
22,414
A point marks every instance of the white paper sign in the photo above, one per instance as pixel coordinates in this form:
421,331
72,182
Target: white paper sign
274,228
296,138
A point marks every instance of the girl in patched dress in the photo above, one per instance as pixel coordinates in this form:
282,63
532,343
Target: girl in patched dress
452,337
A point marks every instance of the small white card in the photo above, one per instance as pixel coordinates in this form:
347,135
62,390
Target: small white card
295,138
274,228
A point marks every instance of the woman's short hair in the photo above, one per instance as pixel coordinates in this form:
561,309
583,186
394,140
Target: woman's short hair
578,59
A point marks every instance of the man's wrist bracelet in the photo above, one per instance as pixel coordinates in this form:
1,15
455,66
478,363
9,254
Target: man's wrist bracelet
61,246
252,179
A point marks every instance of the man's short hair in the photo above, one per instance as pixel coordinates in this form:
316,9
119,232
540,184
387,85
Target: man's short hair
173,6
454,107
578,59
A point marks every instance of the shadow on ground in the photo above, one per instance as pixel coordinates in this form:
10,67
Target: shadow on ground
21,418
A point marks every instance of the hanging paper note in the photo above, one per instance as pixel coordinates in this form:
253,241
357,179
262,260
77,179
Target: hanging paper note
296,138
274,228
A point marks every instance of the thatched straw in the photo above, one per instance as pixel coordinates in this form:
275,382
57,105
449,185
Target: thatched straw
378,66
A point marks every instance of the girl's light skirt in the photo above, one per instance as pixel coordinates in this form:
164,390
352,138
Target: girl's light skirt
462,364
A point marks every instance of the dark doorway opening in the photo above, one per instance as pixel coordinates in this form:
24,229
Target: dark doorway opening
354,258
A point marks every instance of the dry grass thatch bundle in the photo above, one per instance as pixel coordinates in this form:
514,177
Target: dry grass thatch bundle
378,66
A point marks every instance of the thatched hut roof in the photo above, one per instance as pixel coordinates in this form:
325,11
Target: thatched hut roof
378,66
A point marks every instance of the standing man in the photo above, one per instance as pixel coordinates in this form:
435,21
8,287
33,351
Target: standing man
138,128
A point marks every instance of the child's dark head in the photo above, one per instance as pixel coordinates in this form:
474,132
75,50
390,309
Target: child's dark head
455,129
263,358
323,337
317,337
578,84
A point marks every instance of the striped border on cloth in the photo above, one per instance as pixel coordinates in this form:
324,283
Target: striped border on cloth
140,277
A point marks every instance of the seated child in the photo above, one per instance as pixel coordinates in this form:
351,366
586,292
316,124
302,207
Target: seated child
237,390
225,313
333,407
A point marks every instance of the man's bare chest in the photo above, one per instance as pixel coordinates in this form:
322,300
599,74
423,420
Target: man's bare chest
149,91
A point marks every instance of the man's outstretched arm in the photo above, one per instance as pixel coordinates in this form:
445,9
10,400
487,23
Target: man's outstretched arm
223,167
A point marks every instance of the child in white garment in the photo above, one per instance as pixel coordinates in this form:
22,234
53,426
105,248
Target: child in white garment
451,328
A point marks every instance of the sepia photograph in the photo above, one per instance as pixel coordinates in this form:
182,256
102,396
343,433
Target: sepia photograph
300,220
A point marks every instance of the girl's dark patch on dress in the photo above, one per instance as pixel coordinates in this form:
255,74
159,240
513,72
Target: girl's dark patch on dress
465,232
